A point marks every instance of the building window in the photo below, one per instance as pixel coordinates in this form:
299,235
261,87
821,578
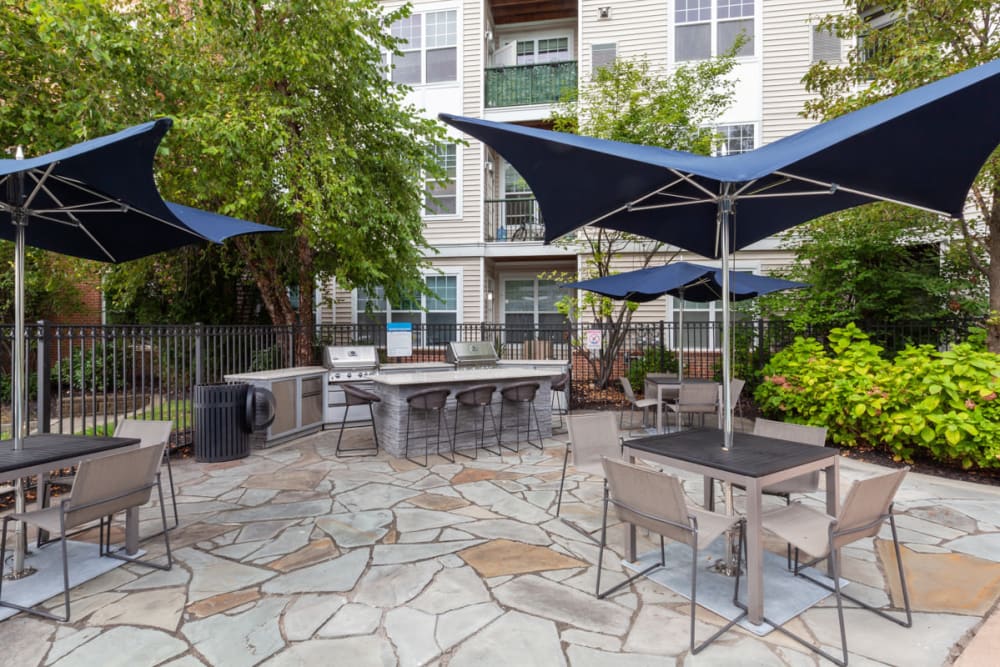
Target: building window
429,50
530,312
441,197
825,46
546,50
602,55
704,28
434,318
736,139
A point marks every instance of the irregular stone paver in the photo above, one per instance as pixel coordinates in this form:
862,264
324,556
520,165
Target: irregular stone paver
951,582
274,511
547,599
526,641
583,656
374,497
412,632
337,575
508,529
437,501
159,609
124,647
500,557
408,520
982,546
386,554
352,619
306,614
356,529
454,626
26,640
316,551
392,585
452,589
222,602
473,475
239,639
286,480
353,651
212,576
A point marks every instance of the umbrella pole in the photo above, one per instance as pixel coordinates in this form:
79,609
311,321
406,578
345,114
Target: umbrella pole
20,220
725,210
680,342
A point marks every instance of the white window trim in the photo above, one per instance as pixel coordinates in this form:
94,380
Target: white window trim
456,271
459,54
714,33
756,130
714,309
502,293
459,161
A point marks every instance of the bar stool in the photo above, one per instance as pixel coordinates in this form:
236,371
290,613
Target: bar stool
426,402
559,387
481,397
521,393
357,396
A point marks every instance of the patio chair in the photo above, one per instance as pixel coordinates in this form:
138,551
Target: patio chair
102,487
557,389
696,398
151,433
591,438
655,501
641,403
736,386
807,483
867,507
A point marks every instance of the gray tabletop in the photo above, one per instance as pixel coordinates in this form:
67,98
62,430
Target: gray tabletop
51,448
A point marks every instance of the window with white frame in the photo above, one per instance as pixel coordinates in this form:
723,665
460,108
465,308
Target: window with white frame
429,50
439,312
441,197
735,139
530,312
702,323
542,50
602,55
704,28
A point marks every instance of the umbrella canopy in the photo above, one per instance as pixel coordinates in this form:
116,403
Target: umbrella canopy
922,148
686,281
95,200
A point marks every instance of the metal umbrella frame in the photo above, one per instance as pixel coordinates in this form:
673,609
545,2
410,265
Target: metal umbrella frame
690,201
88,201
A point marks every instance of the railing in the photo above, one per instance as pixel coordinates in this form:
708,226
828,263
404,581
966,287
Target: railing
519,85
85,378
514,219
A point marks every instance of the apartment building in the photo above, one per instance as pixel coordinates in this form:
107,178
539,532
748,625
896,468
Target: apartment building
509,60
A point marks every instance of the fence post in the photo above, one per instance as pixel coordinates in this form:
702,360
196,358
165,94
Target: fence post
663,351
761,344
199,335
44,410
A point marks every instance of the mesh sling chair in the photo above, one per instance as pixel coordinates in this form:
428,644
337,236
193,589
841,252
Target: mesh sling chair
102,488
696,398
655,501
867,506
807,483
635,403
151,433
591,437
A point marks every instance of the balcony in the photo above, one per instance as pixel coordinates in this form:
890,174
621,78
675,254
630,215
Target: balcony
515,219
520,85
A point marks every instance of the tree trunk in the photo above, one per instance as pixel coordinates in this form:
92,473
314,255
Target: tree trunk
304,354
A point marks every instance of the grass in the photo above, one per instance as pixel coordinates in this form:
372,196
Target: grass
177,411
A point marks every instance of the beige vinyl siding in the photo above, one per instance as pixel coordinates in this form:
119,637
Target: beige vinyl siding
637,27
787,50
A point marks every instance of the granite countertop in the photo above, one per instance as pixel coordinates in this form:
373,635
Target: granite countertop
478,375
277,374
413,366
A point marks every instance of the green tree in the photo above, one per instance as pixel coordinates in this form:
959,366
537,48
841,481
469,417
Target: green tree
283,115
916,42
871,265
634,102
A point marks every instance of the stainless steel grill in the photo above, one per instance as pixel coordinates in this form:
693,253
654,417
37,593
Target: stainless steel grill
347,363
474,354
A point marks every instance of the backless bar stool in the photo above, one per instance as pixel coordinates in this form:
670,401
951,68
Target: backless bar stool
357,396
519,394
478,397
424,403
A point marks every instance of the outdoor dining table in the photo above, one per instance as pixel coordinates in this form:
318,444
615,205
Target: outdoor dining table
753,462
50,451
669,384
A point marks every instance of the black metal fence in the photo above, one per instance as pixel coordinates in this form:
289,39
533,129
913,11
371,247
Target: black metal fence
84,378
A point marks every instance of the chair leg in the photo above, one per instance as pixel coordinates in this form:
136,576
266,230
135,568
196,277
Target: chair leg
562,480
600,556
166,538
31,610
741,546
173,491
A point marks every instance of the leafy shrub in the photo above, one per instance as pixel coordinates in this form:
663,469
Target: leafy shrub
653,360
942,404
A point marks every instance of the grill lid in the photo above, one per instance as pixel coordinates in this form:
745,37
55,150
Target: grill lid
350,357
471,353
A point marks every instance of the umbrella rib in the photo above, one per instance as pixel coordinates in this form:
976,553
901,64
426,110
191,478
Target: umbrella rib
39,182
834,187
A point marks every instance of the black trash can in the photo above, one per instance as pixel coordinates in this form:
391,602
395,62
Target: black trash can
223,421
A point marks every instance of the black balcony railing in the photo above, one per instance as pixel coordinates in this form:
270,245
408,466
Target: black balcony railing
519,85
515,219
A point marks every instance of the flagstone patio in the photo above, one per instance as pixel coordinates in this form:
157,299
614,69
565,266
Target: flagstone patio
295,557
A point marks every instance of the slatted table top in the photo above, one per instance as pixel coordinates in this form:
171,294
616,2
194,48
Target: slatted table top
54,448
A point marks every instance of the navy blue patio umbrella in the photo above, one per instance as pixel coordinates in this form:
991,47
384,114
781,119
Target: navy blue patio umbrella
922,148
95,200
687,282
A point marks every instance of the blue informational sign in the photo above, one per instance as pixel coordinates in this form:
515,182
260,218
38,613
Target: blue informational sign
399,339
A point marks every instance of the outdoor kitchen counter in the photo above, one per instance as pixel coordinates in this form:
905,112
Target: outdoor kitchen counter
277,374
395,388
